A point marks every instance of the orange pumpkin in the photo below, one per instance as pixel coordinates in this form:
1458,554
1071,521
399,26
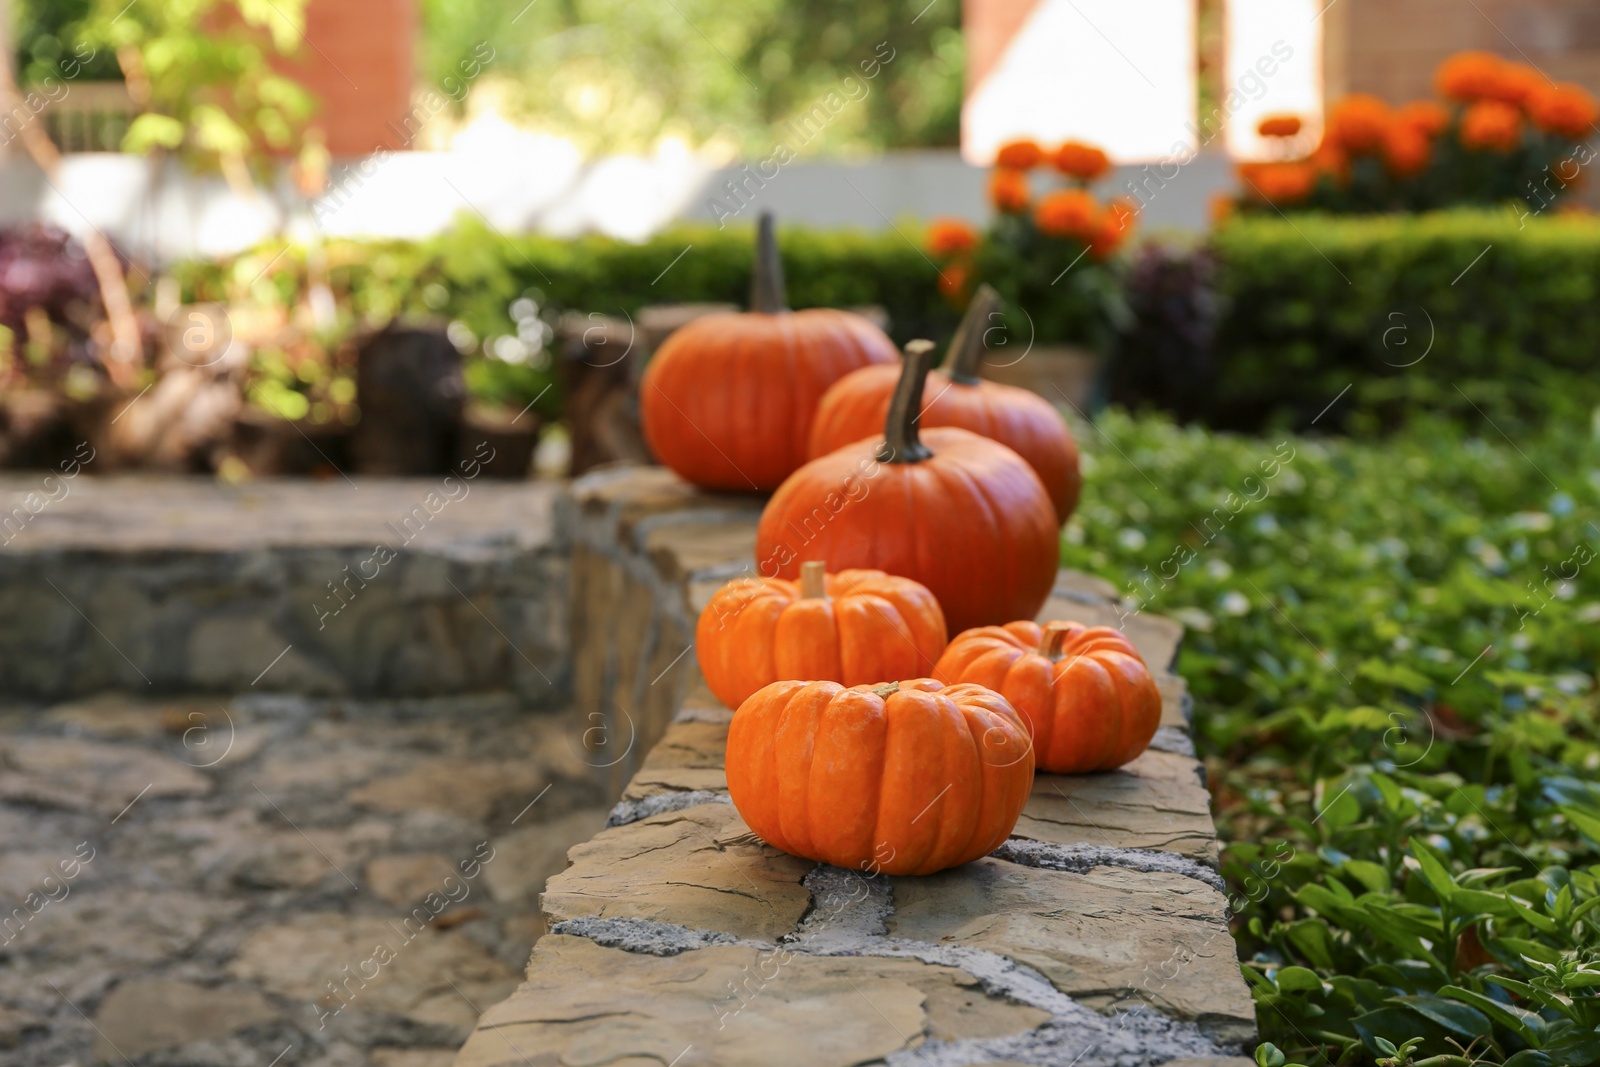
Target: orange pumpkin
1024,421
1085,693
909,777
727,401
964,515
852,627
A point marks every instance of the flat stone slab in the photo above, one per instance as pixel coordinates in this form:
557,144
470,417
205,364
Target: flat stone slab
698,867
687,758
134,513
737,1004
1105,937
1155,802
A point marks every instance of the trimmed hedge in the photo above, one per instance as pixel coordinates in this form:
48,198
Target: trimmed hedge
1267,323
1412,310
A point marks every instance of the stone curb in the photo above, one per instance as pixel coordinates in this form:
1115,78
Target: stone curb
1095,936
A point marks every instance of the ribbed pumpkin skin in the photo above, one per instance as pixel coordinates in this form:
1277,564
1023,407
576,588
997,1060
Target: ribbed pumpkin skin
857,404
1093,709
926,778
727,401
871,626
973,524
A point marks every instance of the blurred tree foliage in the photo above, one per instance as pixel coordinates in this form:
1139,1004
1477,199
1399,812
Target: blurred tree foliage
614,75
611,75
45,33
200,73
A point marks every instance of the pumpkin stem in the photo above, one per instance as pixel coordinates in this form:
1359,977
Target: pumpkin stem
811,580
883,692
966,347
767,293
900,442
1055,636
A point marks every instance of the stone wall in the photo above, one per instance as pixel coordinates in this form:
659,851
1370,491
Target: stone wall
378,588
1095,936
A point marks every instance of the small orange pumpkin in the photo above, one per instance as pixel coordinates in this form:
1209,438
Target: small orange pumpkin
964,515
852,627
908,777
727,401
1085,693
1025,422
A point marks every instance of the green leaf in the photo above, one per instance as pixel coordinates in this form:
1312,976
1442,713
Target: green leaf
1267,1055
1298,979
1522,948
1341,812
1468,902
1586,823
1525,1024
150,131
1372,876
1434,872
1458,1018
1575,1048
1530,1058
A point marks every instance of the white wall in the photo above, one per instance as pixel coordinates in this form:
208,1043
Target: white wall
540,187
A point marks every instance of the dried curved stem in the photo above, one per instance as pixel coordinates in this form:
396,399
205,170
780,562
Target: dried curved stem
967,347
900,441
766,279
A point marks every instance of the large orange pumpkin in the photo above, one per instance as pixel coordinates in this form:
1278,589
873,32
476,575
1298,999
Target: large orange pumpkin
1024,421
727,401
964,515
852,627
908,777
1085,693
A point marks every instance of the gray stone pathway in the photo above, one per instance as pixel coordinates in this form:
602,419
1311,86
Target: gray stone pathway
274,880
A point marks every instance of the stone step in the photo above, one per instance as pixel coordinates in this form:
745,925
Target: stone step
368,588
1097,935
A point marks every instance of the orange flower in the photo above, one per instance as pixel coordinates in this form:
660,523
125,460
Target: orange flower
1566,109
1078,160
1469,76
1491,126
1019,155
1518,84
1358,123
1425,116
1068,213
1115,226
1221,208
1280,183
1406,150
954,280
1279,126
950,237
1008,189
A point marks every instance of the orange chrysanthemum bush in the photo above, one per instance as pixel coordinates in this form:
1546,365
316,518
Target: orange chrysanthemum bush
1050,249
1502,133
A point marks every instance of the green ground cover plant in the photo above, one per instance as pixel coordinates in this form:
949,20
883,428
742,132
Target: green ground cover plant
1392,644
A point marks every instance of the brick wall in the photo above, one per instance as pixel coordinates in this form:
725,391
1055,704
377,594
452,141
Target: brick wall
359,60
1390,47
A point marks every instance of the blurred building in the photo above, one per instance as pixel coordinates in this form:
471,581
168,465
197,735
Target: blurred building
360,61
1172,88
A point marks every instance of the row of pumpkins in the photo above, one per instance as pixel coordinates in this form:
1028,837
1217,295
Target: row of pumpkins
937,513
